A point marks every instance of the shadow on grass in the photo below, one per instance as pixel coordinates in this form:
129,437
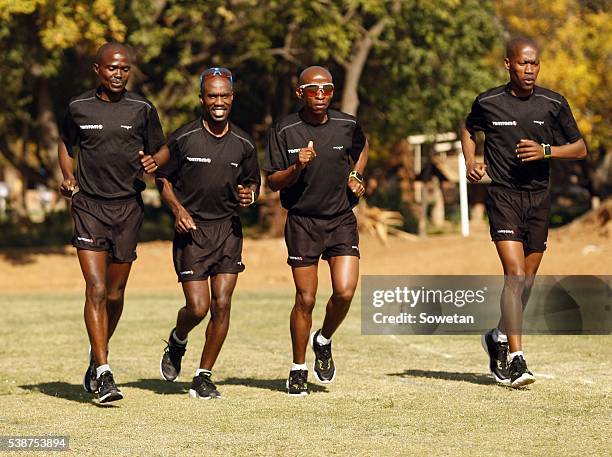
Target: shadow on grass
474,378
159,386
276,385
72,392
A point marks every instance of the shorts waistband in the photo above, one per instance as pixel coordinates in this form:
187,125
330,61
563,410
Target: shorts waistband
201,222
325,218
519,191
110,201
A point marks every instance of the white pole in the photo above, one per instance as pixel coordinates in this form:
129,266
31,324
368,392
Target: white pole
463,197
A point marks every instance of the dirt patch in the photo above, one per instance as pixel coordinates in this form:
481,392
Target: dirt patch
571,252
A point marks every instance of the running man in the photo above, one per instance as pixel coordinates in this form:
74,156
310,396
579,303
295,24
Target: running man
212,171
309,160
119,136
525,126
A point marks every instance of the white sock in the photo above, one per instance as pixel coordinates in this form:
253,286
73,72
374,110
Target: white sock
498,336
322,340
101,369
299,366
514,354
202,370
176,338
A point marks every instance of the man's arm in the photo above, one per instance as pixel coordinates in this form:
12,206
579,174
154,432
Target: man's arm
150,163
287,177
358,188
474,170
66,164
183,220
530,151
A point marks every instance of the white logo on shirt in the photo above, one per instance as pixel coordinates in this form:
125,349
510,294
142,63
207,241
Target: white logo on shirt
292,257
199,159
355,247
127,127
234,164
510,232
87,240
511,123
186,272
539,122
91,127
293,151
338,147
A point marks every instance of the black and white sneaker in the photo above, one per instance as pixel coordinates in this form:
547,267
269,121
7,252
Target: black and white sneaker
323,367
170,363
498,358
107,389
203,388
519,374
297,385
90,384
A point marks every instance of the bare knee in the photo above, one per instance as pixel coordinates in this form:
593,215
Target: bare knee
305,301
197,307
515,278
96,294
343,296
220,308
116,294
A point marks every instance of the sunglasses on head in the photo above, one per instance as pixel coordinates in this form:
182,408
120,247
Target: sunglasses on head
216,71
313,89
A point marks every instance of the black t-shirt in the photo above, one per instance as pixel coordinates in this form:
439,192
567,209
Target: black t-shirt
109,136
205,170
321,189
544,117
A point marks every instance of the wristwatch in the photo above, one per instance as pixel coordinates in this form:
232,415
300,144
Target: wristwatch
356,175
547,150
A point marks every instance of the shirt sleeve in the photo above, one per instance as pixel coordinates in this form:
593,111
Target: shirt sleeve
476,119
170,169
249,170
358,142
70,132
566,130
275,158
154,134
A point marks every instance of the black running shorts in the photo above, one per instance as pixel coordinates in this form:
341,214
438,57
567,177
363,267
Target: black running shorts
519,215
214,247
309,238
107,225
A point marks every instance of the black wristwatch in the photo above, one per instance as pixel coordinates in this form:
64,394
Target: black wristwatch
547,150
356,175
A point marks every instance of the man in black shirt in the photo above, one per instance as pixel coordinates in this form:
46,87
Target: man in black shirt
309,160
525,126
118,135
212,171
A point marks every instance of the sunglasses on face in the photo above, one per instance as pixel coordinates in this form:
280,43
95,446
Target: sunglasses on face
311,90
216,71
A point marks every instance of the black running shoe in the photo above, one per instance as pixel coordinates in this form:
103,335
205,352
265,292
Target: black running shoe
519,374
107,389
90,384
297,384
170,363
323,368
203,388
498,358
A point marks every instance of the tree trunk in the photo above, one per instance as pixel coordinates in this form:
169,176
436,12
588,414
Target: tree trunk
49,135
354,67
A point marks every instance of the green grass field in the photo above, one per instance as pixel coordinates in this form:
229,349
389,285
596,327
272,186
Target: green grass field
402,395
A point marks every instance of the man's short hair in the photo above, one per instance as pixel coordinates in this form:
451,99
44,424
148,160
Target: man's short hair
520,41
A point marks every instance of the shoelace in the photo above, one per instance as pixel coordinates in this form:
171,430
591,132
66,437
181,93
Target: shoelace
106,379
